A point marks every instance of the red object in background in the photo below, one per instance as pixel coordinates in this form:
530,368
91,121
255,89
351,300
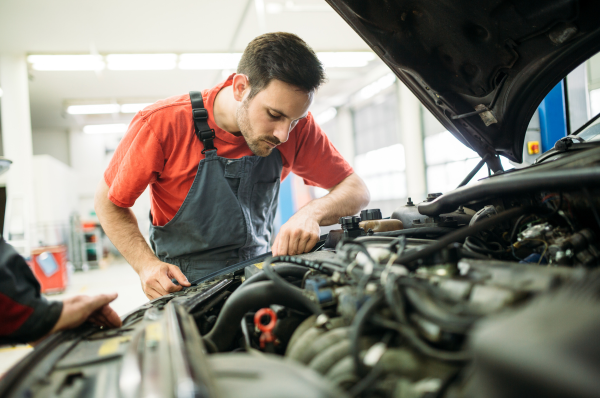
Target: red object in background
49,265
89,225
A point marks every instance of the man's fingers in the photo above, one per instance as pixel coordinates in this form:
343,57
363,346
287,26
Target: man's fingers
110,315
175,272
99,319
303,243
282,249
167,285
100,300
311,243
154,293
158,287
294,242
275,246
106,317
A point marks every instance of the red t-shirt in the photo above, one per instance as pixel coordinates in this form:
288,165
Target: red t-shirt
160,149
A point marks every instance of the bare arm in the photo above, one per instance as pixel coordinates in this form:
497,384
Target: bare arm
121,226
301,232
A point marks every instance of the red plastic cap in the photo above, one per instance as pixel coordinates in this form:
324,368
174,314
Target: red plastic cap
268,328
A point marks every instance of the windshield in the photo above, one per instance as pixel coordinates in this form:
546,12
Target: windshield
591,132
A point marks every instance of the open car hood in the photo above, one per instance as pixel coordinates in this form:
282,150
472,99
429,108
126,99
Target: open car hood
456,56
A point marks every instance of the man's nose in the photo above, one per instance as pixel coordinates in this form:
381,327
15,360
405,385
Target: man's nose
282,131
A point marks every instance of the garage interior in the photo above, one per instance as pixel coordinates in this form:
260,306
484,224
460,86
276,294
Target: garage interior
73,74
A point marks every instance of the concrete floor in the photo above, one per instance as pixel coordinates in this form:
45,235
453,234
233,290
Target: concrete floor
118,277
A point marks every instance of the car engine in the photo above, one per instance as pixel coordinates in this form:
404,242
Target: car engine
434,308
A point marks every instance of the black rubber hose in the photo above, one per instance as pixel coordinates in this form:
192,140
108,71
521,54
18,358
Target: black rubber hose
431,310
417,231
296,293
298,261
520,183
257,295
479,246
394,299
391,239
465,252
412,338
285,270
462,233
358,324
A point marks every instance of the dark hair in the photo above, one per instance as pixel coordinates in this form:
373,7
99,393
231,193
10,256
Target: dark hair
282,56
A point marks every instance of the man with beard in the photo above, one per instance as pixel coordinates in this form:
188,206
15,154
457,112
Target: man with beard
214,160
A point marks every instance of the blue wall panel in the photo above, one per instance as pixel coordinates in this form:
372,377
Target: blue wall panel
286,200
553,121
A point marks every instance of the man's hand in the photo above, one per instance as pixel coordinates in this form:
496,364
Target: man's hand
301,232
156,279
121,226
79,309
296,236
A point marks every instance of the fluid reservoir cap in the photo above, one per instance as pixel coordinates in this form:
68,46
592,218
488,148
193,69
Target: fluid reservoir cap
371,214
350,222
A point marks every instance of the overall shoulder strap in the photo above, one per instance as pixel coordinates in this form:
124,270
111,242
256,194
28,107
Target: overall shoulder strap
205,134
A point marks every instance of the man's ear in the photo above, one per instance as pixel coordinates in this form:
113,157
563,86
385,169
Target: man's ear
241,86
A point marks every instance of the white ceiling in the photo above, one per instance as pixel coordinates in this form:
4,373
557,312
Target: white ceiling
155,26
112,26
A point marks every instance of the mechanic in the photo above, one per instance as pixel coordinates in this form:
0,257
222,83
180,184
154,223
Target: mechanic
214,173
27,317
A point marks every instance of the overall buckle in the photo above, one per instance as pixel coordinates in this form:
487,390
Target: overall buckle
207,137
200,114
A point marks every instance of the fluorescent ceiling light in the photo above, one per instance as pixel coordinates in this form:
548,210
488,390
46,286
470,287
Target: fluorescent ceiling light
291,6
209,61
133,108
66,62
93,109
274,8
345,59
325,116
105,128
141,61
377,86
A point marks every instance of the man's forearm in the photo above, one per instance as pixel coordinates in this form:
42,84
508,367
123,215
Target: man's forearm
348,197
122,229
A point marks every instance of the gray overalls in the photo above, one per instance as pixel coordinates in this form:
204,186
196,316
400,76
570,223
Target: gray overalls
227,215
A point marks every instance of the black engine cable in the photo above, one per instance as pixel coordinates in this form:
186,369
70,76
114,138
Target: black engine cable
293,291
417,231
462,233
358,324
412,337
364,384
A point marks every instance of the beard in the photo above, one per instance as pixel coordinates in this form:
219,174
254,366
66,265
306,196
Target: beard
255,142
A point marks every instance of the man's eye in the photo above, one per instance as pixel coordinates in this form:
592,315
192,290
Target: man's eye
272,116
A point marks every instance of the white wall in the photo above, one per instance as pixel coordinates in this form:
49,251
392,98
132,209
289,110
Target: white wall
90,156
53,142
55,199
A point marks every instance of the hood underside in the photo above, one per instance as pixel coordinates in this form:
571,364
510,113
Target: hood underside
460,56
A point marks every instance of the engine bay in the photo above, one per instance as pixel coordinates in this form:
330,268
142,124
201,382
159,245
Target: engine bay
405,312
496,298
